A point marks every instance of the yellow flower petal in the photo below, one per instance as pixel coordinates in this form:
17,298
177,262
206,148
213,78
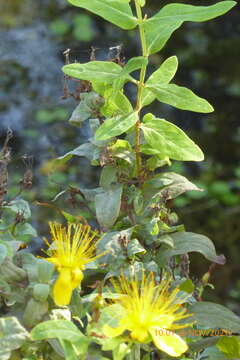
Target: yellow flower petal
140,334
77,276
113,332
62,290
167,341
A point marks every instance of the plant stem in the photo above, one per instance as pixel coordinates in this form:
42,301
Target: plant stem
135,352
140,88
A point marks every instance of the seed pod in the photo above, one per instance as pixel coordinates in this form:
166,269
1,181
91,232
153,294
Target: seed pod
34,312
45,271
41,292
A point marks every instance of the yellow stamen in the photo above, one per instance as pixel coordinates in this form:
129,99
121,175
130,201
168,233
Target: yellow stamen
149,312
72,248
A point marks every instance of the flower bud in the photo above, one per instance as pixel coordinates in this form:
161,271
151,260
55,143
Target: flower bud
45,271
41,292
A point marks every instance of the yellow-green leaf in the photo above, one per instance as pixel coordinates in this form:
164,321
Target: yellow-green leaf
116,11
116,126
160,27
170,140
163,75
105,71
180,97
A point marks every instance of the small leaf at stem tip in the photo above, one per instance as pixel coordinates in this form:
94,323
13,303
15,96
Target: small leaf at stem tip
163,75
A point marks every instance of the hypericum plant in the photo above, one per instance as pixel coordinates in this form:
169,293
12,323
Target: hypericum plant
140,245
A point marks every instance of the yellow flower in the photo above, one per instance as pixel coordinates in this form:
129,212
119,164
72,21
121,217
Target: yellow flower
72,248
149,312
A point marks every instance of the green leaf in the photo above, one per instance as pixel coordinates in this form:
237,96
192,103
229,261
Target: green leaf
3,253
134,247
108,176
60,329
116,126
110,315
19,206
215,316
186,242
110,241
107,71
173,185
122,150
12,335
204,343
160,27
133,64
108,206
115,11
211,353
25,229
163,75
229,346
86,150
187,286
89,106
170,140
180,97
69,350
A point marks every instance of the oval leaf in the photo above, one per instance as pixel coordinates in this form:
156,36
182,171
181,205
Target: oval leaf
12,333
212,316
160,27
116,126
107,71
170,141
60,329
163,75
108,206
180,97
186,242
117,12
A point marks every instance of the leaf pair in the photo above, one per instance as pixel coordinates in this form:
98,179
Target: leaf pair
160,27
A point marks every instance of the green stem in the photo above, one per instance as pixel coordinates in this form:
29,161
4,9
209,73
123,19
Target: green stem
140,88
135,352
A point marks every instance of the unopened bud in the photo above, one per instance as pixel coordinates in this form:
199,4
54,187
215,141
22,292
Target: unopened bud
45,271
41,292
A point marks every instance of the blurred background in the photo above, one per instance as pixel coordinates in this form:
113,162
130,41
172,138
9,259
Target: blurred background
34,35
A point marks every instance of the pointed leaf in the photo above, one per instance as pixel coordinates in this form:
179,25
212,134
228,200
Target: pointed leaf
160,27
108,206
60,329
116,126
133,64
163,75
178,186
185,242
107,71
170,140
213,316
180,97
116,11
86,150
12,334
